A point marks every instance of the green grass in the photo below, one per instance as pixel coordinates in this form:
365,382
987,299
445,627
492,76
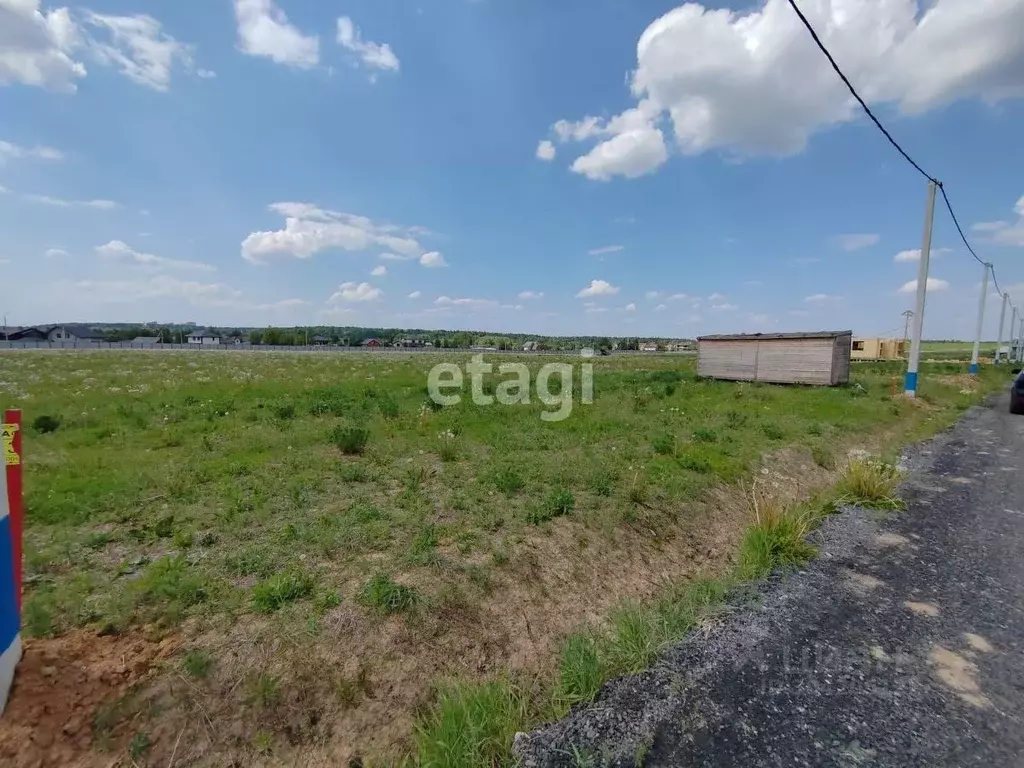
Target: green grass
387,596
471,725
278,590
203,492
870,484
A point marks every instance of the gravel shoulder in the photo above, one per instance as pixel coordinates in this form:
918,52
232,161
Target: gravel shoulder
901,645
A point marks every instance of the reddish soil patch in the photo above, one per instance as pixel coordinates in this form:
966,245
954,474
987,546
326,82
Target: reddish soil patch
60,685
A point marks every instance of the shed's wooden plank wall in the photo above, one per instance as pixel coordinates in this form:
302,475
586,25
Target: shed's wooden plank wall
782,361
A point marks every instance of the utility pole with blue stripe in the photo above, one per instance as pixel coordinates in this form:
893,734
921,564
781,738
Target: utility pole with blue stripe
910,383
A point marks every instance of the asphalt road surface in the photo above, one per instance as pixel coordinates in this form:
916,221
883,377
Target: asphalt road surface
902,645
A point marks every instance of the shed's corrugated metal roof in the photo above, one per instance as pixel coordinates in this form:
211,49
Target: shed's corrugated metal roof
769,336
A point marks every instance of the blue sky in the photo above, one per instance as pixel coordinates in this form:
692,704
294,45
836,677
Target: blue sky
587,166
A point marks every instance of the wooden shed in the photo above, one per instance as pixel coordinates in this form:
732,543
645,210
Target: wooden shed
821,358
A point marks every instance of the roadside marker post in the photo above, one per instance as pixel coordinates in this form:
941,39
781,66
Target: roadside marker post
910,383
973,370
11,511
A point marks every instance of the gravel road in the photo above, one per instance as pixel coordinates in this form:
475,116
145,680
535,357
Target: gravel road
902,645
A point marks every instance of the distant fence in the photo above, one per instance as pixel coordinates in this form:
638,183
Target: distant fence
246,347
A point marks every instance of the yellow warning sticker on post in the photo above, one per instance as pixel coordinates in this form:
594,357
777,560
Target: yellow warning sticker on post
11,457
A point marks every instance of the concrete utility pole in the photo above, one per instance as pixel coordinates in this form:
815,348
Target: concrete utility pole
973,370
907,314
1013,324
1020,343
910,383
1002,322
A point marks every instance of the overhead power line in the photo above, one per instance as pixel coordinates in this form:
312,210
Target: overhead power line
888,135
856,95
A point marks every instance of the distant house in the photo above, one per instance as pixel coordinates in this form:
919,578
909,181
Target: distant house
372,343
72,333
648,346
26,334
202,337
530,346
878,349
320,341
145,341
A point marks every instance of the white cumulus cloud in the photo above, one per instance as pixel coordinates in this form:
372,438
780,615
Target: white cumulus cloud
545,150
60,202
138,48
10,151
309,230
934,284
379,271
161,286
121,252
1005,232
373,55
605,249
531,295
597,288
36,47
445,301
356,292
415,294
724,79
264,30
433,259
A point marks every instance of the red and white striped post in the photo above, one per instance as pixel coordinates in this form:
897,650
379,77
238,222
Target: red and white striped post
11,512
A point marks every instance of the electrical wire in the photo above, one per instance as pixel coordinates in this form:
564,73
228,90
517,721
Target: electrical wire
878,124
856,95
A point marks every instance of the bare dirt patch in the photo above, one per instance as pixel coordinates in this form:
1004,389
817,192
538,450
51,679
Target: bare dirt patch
60,686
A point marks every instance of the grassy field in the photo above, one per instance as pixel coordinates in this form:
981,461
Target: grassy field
345,569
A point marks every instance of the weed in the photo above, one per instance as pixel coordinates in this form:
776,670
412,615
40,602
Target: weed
870,484
602,483
386,595
705,435
635,639
508,480
472,724
167,588
772,431
664,443
263,742
776,538
273,592
823,457
448,446
695,463
45,424
352,473
388,407
264,690
197,663
284,411
637,493
579,670
423,550
350,439
139,745
560,502
183,539
324,601
735,419
250,562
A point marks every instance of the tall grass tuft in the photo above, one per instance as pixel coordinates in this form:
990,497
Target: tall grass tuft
580,675
472,724
776,539
870,483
